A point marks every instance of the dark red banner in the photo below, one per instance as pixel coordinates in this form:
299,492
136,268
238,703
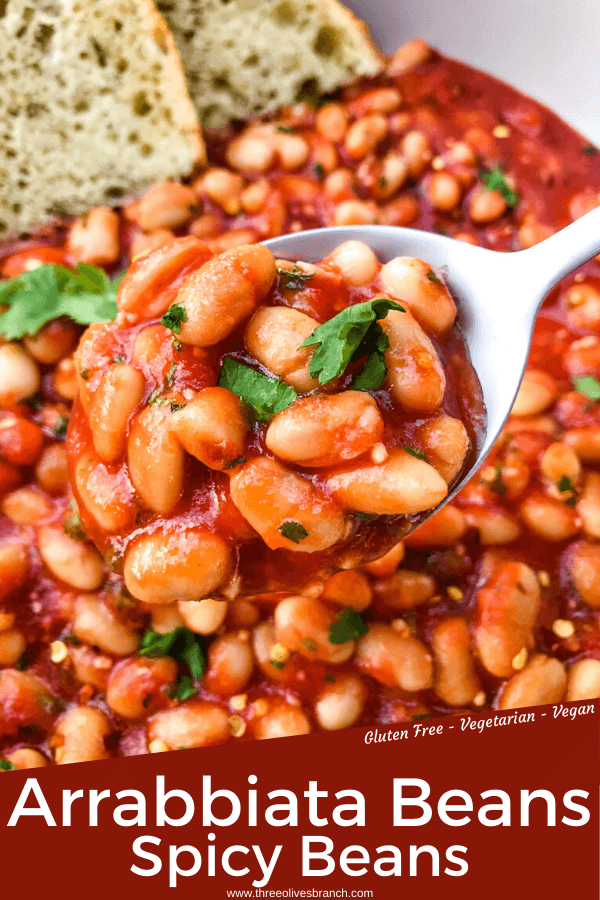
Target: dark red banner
493,805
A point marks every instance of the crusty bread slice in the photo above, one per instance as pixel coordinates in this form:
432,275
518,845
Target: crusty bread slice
93,107
246,57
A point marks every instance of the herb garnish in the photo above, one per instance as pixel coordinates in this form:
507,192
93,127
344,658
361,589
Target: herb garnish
35,298
266,396
293,531
85,374
118,359
173,318
590,150
238,461
347,626
73,527
496,485
319,170
294,279
309,644
495,180
433,277
588,386
564,484
7,766
60,428
35,401
285,129
421,717
352,334
183,645
414,451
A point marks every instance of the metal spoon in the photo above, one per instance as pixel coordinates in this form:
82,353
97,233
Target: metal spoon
497,294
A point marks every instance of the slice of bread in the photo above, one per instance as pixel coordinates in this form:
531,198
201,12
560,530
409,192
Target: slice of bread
246,57
93,107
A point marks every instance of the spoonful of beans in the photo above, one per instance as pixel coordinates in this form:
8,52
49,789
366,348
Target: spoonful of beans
253,422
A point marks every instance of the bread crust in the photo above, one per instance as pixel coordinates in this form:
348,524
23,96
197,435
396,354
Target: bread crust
351,22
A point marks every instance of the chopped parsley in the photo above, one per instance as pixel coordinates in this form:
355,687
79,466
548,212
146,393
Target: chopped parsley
73,527
285,129
293,531
347,626
414,451
495,180
175,406
433,277
588,386
60,428
590,150
266,396
181,644
348,337
363,516
496,485
185,688
294,279
238,461
7,766
71,639
22,664
564,484
85,374
176,344
173,318
277,664
35,401
421,717
119,359
309,644
170,376
329,677
85,294
319,170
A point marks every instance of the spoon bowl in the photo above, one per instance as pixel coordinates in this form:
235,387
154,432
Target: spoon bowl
497,295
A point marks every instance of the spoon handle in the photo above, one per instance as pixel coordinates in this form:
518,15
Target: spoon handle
545,264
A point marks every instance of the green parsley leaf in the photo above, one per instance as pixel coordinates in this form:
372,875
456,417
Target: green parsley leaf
238,461
433,277
294,279
35,298
7,766
414,451
309,644
36,401
590,150
182,644
277,664
170,376
185,688
285,129
118,359
71,639
352,334
372,376
564,484
329,677
363,516
421,717
176,406
319,170
497,486
85,374
267,396
60,429
588,386
73,527
347,626
495,180
22,664
293,531
173,318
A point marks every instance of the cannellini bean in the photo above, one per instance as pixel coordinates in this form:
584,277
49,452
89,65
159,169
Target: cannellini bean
251,152
410,55
166,205
415,372
12,646
292,150
143,244
120,391
542,681
401,485
51,470
274,337
52,342
507,607
163,567
585,441
340,704
302,626
416,148
106,496
95,624
364,135
551,519
495,525
538,390
230,664
197,723
582,357
584,566
412,280
388,563
27,758
456,680
152,281
90,667
27,506
224,188
584,680
395,659
486,206
242,614
583,304
560,461
443,529
348,588
356,261
25,700
268,496
444,191
405,589
168,618
326,429
254,197
282,720
212,427
224,292
77,563
94,238
588,506
156,459
134,685
264,639
355,212
203,616
14,568
383,99
19,375
80,736
446,443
